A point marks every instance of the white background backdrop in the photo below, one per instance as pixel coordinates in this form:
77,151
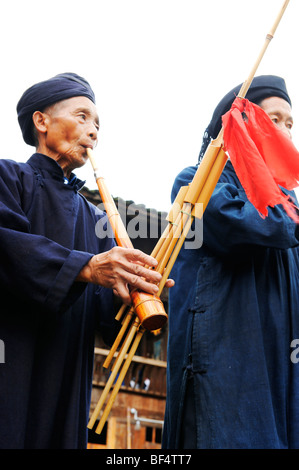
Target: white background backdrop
158,69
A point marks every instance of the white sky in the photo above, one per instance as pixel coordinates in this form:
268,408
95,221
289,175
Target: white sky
158,69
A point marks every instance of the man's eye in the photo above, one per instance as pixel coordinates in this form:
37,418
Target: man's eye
82,116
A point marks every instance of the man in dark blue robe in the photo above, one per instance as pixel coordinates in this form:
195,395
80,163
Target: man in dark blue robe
233,375
57,277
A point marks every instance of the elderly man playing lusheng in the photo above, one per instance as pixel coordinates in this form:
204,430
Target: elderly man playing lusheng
57,277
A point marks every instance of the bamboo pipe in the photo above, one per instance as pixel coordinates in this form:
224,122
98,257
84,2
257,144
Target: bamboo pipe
269,37
204,180
121,311
113,374
174,230
203,199
148,307
115,220
204,169
128,427
126,343
119,337
161,246
119,381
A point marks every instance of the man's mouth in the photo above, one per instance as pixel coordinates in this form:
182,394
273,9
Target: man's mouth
87,146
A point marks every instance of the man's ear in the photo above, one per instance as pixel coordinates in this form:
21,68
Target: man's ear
40,121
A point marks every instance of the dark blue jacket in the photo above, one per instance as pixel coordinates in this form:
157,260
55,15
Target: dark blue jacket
47,320
234,312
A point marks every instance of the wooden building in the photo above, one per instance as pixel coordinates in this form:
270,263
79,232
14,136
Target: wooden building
136,418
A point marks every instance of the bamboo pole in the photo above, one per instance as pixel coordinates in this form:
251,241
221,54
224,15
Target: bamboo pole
119,381
113,374
119,337
115,220
269,37
128,427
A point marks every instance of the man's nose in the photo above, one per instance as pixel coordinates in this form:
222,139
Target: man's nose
285,130
93,131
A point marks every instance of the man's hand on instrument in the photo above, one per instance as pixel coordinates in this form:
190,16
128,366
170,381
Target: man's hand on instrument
120,268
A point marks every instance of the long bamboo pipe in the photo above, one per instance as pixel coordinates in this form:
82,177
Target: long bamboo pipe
148,307
167,249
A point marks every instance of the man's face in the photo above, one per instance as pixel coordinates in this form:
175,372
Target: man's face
72,127
280,112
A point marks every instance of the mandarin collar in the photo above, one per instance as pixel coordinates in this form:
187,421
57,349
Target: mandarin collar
39,161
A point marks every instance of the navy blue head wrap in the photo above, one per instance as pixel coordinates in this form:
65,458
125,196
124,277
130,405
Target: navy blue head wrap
261,87
46,93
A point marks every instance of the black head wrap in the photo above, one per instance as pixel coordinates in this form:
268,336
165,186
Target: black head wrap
46,93
261,87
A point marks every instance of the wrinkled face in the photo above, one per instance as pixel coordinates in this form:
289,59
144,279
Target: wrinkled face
72,127
280,112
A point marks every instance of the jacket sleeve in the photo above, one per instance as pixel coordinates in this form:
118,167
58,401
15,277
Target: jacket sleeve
33,267
232,224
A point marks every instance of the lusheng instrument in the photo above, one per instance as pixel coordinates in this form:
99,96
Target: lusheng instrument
146,311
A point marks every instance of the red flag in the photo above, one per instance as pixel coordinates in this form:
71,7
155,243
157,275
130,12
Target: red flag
262,155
